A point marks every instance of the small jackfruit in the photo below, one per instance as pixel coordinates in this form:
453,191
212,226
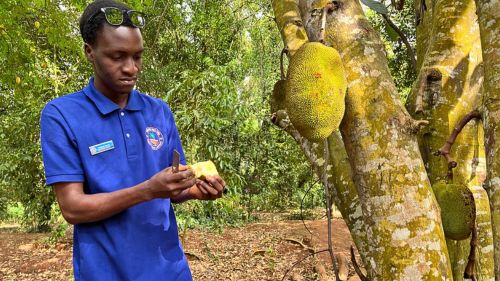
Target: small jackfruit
315,91
457,209
203,169
278,97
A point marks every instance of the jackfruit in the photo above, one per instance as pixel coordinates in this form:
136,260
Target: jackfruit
315,91
203,169
457,209
278,96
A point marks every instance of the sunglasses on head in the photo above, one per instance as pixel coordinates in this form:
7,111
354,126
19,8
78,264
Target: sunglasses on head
115,16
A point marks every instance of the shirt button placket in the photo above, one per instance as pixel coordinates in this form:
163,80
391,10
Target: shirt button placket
126,131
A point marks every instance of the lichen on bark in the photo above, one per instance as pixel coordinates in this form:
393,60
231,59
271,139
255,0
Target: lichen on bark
489,25
402,216
447,88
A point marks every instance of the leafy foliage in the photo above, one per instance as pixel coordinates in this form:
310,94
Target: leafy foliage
213,62
399,60
220,98
39,59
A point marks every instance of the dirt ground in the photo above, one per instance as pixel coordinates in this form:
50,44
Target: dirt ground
258,251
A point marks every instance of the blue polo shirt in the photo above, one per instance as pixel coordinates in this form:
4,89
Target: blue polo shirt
87,138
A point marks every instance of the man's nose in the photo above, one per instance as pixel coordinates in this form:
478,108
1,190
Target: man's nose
130,66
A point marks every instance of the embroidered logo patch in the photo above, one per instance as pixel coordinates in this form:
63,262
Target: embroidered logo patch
154,138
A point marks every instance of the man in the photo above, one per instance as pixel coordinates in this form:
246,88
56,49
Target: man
107,151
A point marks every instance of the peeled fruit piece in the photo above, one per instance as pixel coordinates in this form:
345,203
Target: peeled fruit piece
18,80
315,91
457,209
37,24
203,169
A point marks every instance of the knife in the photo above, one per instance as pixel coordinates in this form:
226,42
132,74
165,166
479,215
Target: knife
176,159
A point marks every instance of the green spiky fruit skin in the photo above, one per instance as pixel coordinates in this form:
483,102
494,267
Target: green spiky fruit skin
315,91
278,97
457,209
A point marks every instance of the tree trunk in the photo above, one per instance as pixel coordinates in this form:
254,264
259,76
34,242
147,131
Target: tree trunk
401,215
488,12
448,87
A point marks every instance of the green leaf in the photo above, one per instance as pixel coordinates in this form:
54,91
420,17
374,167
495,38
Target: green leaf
376,6
393,35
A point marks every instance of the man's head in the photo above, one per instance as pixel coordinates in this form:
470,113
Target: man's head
113,44
94,18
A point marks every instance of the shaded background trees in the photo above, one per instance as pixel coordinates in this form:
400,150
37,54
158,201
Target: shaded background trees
213,62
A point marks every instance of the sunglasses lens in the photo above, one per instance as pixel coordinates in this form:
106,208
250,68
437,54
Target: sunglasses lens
114,16
137,18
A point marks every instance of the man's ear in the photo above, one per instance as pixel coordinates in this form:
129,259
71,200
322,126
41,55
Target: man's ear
89,52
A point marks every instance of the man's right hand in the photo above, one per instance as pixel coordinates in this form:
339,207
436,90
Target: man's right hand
166,184
79,207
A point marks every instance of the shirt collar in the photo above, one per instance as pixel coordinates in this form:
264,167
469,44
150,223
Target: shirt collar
107,106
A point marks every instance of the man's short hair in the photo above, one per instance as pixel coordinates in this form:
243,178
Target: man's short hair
90,29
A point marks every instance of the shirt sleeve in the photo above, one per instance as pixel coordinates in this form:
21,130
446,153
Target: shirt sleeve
60,154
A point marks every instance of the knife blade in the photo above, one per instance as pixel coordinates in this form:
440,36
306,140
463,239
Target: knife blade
176,159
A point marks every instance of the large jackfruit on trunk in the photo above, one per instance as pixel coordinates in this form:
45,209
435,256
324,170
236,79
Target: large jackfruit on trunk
315,91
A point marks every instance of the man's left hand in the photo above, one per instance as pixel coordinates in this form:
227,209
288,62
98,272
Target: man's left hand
209,189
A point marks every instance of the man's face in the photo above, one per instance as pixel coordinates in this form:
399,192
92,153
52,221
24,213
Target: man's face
116,56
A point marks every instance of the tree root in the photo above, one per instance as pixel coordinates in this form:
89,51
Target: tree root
416,126
294,241
359,271
321,271
192,255
343,273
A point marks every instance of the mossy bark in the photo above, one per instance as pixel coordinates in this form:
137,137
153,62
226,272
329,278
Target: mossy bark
448,87
290,24
488,12
401,216
423,17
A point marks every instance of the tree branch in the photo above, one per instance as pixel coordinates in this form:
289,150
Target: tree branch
356,266
409,49
323,25
297,262
446,148
470,268
282,68
426,76
326,157
290,24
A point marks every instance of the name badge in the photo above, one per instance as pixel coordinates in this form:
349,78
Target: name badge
101,147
